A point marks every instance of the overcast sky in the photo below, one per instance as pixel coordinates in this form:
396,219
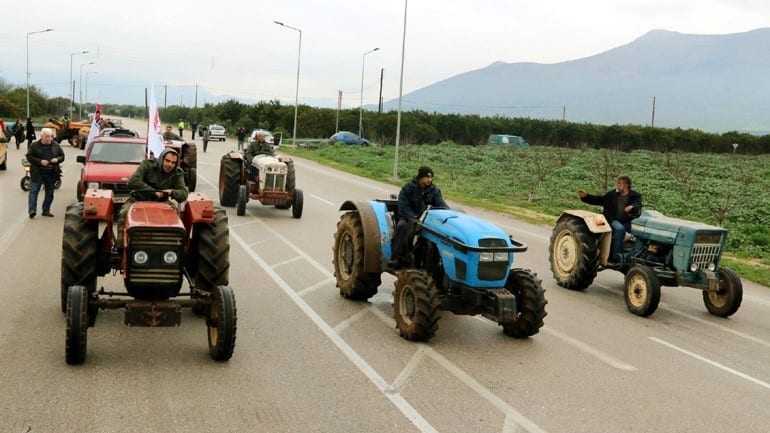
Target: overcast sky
234,48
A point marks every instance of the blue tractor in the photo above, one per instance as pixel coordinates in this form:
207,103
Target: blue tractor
460,263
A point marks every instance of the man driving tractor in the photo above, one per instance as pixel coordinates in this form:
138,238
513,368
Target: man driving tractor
258,146
619,207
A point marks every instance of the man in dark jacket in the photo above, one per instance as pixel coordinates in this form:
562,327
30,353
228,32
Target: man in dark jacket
413,200
45,157
30,132
619,206
18,132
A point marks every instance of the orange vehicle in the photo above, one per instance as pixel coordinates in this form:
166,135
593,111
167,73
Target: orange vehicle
74,132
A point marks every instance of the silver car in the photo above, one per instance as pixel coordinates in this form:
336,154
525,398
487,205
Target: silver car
217,132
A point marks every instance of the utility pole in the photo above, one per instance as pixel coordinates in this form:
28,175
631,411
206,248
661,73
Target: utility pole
400,95
165,95
196,95
146,105
339,107
564,113
382,74
653,111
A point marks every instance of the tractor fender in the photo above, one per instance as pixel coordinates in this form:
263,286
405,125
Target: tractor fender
235,155
197,209
97,205
595,222
377,232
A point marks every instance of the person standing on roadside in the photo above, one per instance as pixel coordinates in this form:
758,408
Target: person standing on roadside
45,157
30,132
181,128
206,136
241,134
194,127
18,132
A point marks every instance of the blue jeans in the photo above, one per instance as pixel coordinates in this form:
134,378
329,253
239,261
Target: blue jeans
35,189
619,230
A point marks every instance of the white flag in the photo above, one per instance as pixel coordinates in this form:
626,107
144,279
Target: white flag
94,131
154,137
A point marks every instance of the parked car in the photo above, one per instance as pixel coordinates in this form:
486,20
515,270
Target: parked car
108,164
347,137
217,132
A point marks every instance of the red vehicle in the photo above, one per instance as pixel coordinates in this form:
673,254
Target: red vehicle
108,164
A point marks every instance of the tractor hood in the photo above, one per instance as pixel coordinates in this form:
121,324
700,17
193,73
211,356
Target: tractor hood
464,228
110,173
153,215
658,227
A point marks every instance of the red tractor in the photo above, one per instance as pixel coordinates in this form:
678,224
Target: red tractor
161,247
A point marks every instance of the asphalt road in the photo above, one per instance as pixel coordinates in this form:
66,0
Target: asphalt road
307,360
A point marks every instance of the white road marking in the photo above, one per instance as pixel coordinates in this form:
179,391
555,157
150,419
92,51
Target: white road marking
405,374
510,426
322,200
713,363
345,324
286,262
757,300
316,286
248,223
10,235
673,310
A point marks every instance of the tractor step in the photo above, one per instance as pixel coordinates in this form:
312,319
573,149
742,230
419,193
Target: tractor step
153,314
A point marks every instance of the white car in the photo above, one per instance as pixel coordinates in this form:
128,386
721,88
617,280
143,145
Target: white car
217,132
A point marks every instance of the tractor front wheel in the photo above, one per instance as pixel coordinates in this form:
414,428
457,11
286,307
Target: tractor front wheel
222,324
416,303
77,325
530,304
297,203
243,198
727,299
348,256
574,254
229,180
642,291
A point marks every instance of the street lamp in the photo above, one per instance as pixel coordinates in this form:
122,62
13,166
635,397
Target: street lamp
296,92
87,74
72,83
80,87
400,93
361,107
28,35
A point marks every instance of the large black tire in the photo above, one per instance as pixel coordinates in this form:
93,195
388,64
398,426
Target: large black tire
222,324
229,180
191,178
80,250
574,254
530,303
213,266
243,199
726,301
416,303
25,183
77,325
297,203
348,258
642,290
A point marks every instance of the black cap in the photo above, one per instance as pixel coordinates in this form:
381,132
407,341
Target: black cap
424,171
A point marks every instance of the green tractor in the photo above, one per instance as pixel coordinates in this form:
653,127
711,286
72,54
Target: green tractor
659,251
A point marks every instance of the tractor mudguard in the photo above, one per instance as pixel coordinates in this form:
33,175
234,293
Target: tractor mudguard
377,233
197,209
595,222
235,155
97,205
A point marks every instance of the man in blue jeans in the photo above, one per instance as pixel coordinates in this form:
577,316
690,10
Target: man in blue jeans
45,157
619,207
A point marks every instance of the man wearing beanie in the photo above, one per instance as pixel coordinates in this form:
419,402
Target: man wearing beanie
413,199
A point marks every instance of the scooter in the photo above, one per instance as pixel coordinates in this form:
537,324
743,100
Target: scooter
26,181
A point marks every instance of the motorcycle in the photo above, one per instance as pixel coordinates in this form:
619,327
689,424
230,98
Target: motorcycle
26,181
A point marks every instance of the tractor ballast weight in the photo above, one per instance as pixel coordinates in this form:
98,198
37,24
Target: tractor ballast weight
461,264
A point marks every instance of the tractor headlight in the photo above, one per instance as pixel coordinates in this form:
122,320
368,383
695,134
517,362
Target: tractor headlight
694,267
712,267
93,185
501,257
141,257
170,257
486,257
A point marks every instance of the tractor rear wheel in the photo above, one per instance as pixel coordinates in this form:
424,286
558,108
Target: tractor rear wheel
530,304
213,266
77,325
243,198
80,249
642,290
727,299
416,303
297,203
348,256
574,254
229,180
222,324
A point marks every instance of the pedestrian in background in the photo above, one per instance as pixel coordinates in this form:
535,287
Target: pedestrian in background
181,128
18,132
241,134
206,136
194,126
30,132
45,157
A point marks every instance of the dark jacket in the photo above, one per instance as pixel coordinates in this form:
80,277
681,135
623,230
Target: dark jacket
18,131
38,152
150,178
31,131
258,148
413,200
610,207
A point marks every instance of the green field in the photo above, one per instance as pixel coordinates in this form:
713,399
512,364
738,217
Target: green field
537,183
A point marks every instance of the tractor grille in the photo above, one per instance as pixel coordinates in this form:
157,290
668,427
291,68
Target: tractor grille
275,182
705,254
491,271
156,243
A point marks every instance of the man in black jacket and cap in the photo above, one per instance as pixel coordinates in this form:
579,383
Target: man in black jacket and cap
45,157
619,207
413,200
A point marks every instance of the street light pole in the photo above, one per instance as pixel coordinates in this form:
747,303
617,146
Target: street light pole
87,74
400,93
296,91
70,85
80,87
28,35
361,107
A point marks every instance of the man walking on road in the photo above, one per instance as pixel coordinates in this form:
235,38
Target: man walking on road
30,132
194,127
18,132
45,157
619,206
241,134
181,128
